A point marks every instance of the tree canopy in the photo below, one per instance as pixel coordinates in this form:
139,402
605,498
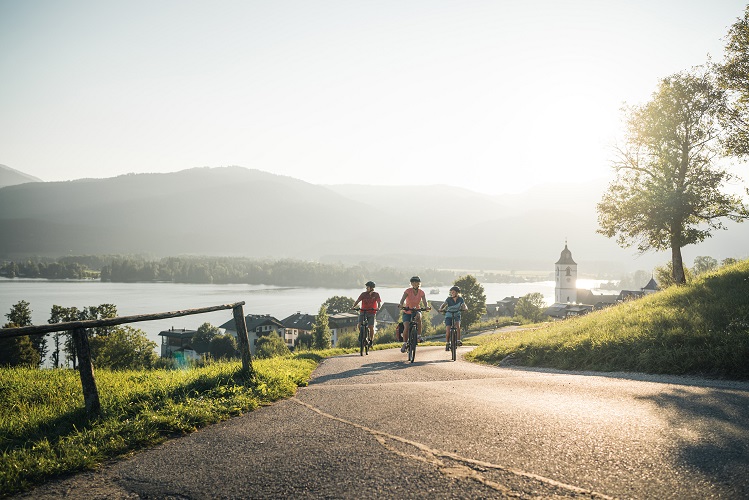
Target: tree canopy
201,341
338,304
473,293
18,351
668,188
531,307
734,78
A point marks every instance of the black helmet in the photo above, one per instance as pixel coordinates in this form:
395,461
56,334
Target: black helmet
415,278
456,288
370,283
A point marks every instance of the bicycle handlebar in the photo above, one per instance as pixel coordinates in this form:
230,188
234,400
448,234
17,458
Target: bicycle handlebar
416,309
365,310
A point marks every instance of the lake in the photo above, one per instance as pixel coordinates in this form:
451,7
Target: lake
147,298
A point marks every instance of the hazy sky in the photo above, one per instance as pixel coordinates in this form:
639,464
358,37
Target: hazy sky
494,96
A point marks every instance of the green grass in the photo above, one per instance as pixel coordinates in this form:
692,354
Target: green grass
44,431
698,329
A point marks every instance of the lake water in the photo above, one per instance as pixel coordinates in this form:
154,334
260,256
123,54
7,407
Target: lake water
148,298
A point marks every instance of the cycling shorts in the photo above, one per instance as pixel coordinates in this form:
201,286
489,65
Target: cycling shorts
452,317
370,317
409,316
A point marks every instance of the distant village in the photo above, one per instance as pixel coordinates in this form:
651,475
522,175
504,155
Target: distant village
569,301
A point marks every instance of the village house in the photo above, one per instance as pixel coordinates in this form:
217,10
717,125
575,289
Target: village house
504,307
388,314
342,323
295,325
258,325
177,343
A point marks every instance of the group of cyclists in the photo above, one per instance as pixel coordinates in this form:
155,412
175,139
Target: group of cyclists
412,302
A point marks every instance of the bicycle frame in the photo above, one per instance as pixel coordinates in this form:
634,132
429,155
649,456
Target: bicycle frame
454,339
413,333
364,333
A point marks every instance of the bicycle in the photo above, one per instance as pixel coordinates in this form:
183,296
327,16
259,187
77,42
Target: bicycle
364,333
413,333
453,336
454,341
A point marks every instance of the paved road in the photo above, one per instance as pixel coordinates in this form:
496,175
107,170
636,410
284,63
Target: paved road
378,427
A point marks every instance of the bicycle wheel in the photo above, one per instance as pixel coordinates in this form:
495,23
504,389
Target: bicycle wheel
362,339
412,344
454,342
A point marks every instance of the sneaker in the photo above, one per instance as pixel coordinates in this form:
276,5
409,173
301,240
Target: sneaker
405,346
447,346
460,343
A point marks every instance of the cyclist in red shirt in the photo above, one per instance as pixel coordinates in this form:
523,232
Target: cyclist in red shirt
370,304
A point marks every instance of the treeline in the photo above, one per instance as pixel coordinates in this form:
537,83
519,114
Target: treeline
60,269
227,270
286,272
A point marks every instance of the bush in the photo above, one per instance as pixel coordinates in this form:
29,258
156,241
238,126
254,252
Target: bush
384,335
348,340
271,346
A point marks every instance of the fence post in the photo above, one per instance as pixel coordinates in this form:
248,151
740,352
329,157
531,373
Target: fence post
86,369
244,340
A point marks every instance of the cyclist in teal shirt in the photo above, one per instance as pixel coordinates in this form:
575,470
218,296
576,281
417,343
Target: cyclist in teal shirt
452,308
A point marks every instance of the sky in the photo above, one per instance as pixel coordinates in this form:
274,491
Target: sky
493,96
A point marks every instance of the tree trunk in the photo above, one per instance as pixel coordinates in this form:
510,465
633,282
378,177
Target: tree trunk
677,266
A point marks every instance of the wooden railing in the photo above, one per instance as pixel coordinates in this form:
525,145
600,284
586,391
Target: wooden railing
83,351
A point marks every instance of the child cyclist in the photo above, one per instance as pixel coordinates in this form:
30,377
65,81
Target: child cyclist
452,308
412,298
370,304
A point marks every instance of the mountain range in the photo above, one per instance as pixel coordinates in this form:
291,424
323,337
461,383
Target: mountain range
235,211
12,177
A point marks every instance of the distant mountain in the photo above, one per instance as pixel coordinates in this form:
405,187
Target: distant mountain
235,211
11,177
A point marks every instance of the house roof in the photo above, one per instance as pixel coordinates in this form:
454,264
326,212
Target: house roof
179,333
253,321
652,285
389,310
341,320
299,321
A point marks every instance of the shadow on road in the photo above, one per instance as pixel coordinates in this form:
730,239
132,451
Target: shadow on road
371,368
721,453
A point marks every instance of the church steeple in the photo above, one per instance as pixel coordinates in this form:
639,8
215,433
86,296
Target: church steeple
565,278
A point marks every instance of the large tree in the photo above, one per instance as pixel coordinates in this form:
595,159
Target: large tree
473,293
125,348
18,351
734,78
667,192
338,304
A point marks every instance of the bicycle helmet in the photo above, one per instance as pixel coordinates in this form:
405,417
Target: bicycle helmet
415,278
456,288
370,284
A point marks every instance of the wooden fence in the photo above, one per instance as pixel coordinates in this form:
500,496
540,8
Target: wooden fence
83,351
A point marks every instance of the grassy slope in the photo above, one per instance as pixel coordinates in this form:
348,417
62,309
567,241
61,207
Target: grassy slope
701,328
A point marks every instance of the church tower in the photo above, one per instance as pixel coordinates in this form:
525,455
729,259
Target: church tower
565,275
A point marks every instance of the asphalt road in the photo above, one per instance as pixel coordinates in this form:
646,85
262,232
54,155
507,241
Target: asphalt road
379,427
